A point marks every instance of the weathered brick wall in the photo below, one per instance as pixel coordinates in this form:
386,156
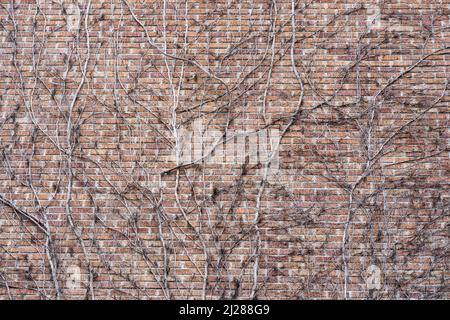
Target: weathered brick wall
336,113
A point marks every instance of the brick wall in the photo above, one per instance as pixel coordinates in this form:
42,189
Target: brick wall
224,149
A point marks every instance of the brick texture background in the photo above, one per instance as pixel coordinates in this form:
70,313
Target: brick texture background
97,98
